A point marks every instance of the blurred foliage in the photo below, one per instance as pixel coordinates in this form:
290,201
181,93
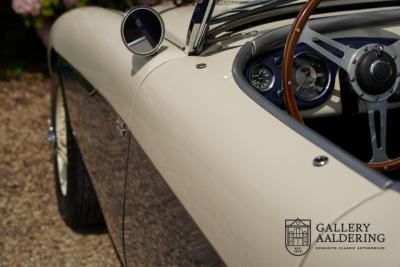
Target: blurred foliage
19,73
20,48
51,9
11,73
23,21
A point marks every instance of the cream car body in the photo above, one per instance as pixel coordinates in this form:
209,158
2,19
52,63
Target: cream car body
239,170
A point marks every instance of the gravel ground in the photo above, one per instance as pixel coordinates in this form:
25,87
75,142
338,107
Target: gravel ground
31,230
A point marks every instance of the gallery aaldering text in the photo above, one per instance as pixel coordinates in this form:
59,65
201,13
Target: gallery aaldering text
349,232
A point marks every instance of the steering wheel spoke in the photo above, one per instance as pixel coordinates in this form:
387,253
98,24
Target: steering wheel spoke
342,55
396,47
377,117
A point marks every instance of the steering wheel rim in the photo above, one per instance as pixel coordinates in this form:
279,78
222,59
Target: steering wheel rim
379,162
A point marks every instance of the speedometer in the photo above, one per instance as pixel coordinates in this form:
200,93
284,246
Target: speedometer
312,76
261,77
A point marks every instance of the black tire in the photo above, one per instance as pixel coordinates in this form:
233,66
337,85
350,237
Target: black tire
78,205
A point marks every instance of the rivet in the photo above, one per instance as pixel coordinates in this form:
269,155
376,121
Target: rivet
201,66
354,61
320,161
353,80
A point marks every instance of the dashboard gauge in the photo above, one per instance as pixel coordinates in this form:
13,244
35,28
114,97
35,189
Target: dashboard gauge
261,77
312,76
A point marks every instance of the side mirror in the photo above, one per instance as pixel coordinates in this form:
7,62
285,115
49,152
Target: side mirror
142,31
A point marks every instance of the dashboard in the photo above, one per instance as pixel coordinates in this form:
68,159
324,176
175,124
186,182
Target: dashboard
314,75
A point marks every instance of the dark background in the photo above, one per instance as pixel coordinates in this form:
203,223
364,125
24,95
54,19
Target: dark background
20,48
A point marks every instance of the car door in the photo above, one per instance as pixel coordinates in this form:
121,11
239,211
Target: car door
103,140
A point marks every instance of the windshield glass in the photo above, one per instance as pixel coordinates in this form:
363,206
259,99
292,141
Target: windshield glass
226,10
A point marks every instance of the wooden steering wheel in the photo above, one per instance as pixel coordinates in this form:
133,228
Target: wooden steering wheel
373,72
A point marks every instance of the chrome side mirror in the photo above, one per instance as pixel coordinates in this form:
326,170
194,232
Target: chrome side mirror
142,31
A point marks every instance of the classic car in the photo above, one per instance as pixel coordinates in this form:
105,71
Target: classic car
238,133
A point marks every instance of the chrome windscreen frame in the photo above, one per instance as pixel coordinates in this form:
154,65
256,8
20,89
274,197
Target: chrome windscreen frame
198,26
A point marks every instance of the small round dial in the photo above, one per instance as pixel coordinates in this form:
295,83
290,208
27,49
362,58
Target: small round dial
261,77
312,76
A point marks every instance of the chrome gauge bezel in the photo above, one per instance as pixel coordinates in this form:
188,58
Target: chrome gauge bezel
270,86
328,85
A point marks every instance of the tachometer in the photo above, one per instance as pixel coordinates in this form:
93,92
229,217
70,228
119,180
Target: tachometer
261,77
312,76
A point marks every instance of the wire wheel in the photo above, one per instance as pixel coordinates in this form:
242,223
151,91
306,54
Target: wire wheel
61,142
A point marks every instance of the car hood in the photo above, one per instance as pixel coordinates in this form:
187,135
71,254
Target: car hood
176,22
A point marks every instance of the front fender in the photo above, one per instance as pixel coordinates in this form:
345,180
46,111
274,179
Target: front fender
89,39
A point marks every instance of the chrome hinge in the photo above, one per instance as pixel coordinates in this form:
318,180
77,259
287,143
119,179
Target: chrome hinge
121,127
